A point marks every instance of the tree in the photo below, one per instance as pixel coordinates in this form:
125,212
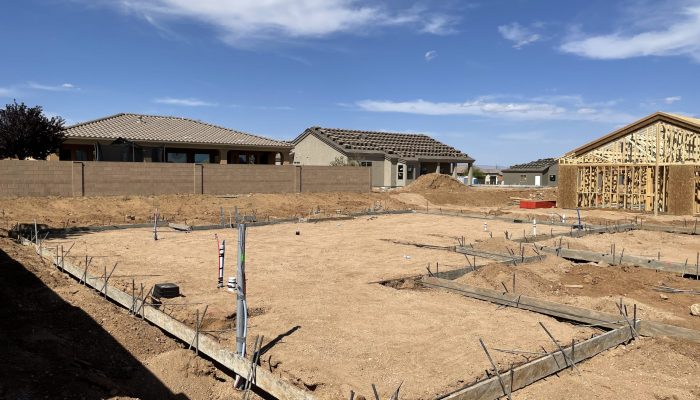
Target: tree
478,173
27,132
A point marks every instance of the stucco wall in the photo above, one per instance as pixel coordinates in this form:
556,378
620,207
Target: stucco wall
313,151
513,178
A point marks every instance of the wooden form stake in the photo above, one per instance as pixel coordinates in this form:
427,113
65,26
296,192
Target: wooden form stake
566,358
266,381
495,370
530,372
562,311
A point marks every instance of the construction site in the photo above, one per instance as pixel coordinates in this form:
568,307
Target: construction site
434,291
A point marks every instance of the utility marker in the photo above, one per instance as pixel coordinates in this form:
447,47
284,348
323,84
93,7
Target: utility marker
534,227
155,225
221,247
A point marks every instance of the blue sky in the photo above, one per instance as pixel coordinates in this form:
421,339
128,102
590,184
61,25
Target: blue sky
506,81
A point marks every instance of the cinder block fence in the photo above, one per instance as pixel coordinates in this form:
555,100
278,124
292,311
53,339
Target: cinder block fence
96,178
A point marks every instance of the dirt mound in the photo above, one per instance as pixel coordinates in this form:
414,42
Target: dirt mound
435,181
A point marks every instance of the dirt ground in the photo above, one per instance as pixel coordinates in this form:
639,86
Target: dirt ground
655,245
339,331
59,340
327,326
602,285
646,369
436,192
62,212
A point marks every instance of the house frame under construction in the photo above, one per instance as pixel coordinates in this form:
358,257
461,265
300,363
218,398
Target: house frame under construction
652,165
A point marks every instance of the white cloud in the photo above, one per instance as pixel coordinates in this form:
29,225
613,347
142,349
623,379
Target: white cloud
672,99
186,102
440,25
52,88
518,34
7,92
238,21
679,35
430,55
523,109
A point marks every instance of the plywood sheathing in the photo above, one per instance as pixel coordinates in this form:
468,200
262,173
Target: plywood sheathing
681,189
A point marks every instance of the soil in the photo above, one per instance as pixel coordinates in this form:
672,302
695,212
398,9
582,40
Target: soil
61,341
327,326
60,212
446,192
332,329
602,286
654,245
646,369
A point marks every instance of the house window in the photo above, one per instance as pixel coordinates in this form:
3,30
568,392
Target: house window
81,155
177,157
552,178
366,163
202,158
410,170
243,159
400,172
523,179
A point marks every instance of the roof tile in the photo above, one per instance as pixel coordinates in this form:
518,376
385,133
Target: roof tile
404,145
153,128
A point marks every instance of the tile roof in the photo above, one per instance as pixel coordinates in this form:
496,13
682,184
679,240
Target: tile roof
153,128
402,145
535,166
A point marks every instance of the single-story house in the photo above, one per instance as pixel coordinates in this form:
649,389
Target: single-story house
396,159
492,176
152,138
542,172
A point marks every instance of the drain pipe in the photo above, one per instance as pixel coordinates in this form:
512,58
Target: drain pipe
241,303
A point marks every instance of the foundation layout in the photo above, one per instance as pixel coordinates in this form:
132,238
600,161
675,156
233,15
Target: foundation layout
420,306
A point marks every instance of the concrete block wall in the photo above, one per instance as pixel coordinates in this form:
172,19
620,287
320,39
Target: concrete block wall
36,178
236,179
336,179
124,178
90,178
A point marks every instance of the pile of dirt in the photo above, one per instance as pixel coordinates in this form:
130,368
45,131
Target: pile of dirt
61,212
588,285
447,192
435,181
532,279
